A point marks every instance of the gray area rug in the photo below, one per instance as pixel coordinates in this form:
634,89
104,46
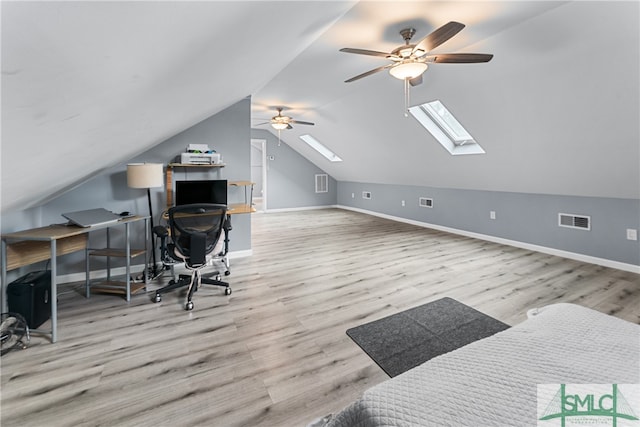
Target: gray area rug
405,340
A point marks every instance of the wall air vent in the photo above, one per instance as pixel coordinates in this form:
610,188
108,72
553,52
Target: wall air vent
424,202
322,183
580,222
366,194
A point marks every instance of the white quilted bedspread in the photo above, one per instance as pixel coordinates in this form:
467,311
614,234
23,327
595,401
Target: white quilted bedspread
492,382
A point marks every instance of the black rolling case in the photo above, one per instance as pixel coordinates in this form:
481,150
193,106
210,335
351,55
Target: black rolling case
30,296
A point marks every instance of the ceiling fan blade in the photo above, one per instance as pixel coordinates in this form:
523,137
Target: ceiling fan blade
459,58
368,73
366,52
298,122
416,81
289,126
437,37
264,123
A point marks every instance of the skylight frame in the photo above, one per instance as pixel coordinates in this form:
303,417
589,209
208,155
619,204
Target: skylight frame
442,124
320,148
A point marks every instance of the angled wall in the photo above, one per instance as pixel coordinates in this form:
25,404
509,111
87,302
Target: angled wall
228,132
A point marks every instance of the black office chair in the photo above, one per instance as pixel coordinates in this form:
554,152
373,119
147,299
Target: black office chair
197,232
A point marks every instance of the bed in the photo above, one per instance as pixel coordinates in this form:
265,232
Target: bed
494,381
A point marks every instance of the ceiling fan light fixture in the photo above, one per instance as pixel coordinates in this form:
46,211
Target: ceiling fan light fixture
408,70
279,125
406,52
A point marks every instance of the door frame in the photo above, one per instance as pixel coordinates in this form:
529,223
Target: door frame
263,144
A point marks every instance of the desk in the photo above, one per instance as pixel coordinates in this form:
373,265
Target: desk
247,207
40,244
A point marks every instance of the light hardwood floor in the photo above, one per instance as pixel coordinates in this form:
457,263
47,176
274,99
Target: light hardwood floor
275,352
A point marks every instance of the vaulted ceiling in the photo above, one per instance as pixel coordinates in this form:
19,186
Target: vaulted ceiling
89,85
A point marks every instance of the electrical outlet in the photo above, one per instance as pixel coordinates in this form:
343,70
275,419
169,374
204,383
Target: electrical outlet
353,195
632,234
492,214
403,203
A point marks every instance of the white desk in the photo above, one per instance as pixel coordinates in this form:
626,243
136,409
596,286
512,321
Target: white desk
39,244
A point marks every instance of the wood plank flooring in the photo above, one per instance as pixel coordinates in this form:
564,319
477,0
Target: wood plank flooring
275,352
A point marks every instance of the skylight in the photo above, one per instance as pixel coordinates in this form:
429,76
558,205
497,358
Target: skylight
445,128
316,145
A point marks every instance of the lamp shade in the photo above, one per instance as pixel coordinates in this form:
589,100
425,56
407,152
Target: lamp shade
279,125
144,175
408,70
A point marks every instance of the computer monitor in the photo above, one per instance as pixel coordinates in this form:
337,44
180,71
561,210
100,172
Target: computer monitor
201,191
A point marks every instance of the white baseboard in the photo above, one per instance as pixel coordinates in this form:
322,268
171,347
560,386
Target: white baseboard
135,270
240,254
305,208
542,249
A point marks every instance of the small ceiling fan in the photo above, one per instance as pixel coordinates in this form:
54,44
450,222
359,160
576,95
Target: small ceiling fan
280,122
409,61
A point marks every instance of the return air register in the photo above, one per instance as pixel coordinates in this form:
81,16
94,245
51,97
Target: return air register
425,202
322,183
581,222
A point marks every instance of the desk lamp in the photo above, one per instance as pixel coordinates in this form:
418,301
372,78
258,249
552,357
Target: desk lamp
146,175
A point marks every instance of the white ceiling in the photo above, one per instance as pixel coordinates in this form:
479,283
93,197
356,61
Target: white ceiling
89,85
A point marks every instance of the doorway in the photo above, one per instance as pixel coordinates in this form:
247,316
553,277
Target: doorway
259,173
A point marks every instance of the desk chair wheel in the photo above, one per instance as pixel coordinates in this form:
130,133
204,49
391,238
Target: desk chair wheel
227,291
226,273
157,298
189,306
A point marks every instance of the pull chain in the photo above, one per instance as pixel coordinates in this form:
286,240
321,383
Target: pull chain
406,97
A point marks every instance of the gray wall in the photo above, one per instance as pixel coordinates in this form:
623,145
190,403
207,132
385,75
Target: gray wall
228,132
291,177
526,218
291,184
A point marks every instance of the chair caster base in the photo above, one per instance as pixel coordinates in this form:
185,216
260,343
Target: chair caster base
227,291
226,273
189,306
157,298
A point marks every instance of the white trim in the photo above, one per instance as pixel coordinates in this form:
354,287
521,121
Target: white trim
265,166
240,254
304,208
422,114
320,148
135,270
543,249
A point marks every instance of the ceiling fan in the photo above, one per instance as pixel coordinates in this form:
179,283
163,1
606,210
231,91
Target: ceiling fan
409,61
280,122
